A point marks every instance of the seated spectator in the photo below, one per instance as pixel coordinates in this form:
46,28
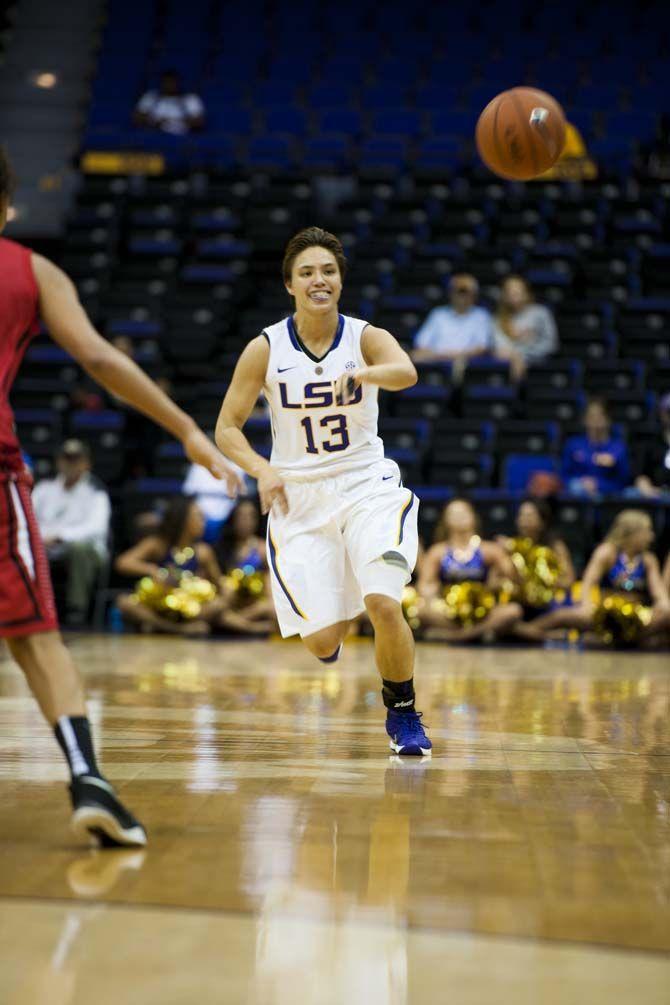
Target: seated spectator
654,478
458,580
596,463
73,513
458,331
169,109
666,573
178,575
633,606
541,559
246,591
524,332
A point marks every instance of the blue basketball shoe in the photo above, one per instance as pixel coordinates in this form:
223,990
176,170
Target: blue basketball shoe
407,734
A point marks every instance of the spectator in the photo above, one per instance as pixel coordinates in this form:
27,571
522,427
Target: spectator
524,332
596,463
246,590
179,575
458,331
169,109
654,478
73,513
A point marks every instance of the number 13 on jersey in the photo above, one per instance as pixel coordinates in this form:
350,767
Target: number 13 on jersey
337,438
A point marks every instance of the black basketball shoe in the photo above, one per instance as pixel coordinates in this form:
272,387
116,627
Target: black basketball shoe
98,814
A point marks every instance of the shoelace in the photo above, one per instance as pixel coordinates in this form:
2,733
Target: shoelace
411,724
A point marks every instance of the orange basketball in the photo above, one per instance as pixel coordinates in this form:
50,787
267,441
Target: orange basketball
521,133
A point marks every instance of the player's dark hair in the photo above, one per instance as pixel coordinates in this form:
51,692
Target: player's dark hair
174,519
6,179
313,237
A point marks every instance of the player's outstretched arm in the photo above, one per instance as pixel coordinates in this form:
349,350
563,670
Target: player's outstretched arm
388,365
71,328
238,404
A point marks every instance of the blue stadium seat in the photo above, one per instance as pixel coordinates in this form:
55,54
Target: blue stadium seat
518,469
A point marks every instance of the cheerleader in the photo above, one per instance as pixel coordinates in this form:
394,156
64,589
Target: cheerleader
457,580
541,560
247,606
623,597
178,575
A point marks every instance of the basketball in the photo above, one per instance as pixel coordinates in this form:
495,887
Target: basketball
521,133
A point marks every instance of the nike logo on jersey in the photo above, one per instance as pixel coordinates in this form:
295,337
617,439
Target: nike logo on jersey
283,369
386,477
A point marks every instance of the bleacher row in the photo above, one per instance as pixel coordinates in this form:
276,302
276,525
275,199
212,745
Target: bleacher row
376,89
188,268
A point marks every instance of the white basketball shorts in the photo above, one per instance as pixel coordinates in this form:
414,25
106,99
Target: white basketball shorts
320,551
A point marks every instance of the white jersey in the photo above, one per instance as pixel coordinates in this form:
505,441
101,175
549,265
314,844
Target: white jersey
312,436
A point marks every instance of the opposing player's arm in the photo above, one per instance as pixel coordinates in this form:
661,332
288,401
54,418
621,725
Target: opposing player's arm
238,404
387,365
71,328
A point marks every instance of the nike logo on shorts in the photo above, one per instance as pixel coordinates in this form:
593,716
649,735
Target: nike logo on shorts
283,369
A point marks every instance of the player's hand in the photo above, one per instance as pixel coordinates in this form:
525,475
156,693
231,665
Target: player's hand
347,385
200,450
271,490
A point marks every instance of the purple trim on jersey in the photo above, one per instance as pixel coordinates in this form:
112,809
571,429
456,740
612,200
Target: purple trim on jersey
297,343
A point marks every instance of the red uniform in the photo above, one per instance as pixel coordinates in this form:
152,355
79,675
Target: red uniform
26,597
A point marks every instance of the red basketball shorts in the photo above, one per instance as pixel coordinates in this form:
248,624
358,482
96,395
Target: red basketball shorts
26,598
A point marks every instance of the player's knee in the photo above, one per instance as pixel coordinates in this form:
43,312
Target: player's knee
325,644
383,611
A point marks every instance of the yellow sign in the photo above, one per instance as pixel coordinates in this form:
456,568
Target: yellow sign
121,162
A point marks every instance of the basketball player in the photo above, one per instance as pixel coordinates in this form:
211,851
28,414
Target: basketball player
342,530
30,287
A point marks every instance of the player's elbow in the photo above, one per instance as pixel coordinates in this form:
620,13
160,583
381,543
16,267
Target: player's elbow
411,376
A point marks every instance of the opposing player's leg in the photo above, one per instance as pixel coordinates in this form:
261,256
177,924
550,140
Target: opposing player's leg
29,626
56,684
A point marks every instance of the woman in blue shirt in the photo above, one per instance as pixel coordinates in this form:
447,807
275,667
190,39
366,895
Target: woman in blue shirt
596,463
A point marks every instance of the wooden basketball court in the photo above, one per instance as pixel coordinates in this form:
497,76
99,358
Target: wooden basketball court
293,860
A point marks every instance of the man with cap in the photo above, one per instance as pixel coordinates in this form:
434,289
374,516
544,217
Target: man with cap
73,512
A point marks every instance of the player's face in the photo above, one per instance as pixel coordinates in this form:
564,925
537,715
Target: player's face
315,282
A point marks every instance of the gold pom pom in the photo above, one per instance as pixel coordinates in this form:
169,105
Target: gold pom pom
620,621
468,603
